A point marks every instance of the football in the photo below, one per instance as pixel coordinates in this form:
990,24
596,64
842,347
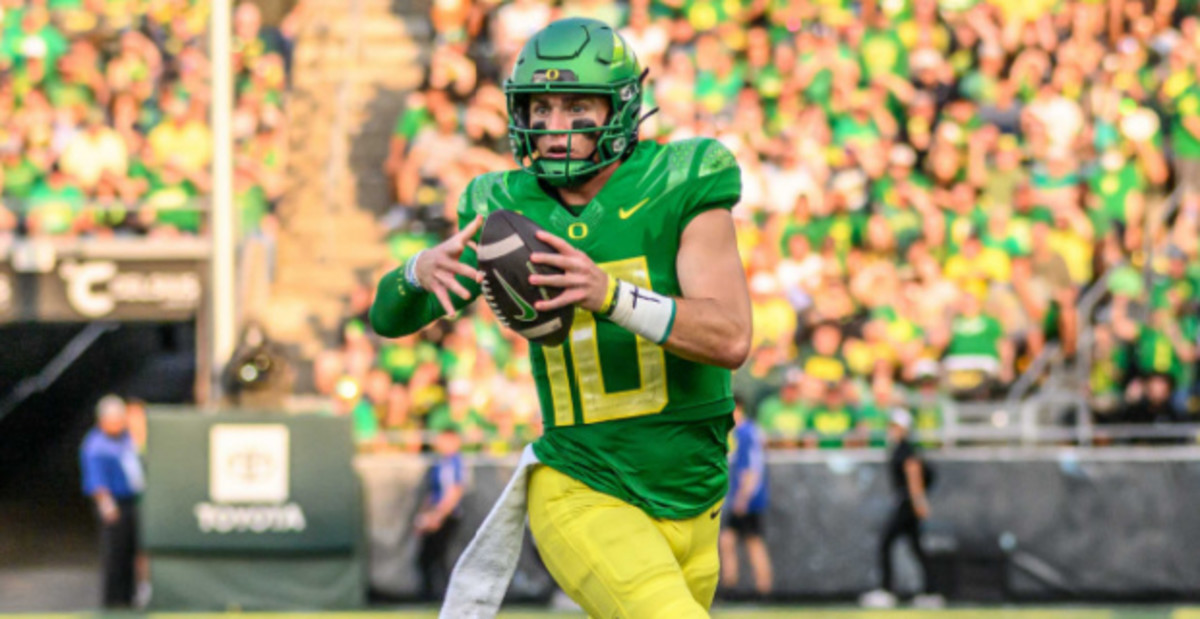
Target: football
506,243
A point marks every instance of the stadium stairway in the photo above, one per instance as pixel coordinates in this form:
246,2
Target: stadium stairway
354,62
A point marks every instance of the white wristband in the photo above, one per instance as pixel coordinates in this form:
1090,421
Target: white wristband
644,312
410,271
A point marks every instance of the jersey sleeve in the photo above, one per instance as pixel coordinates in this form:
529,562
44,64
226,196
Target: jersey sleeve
401,309
715,181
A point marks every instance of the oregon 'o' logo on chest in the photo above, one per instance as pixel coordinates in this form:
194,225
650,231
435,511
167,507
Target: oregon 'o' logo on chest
577,230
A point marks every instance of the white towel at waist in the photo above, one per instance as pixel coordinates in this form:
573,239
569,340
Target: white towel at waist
484,569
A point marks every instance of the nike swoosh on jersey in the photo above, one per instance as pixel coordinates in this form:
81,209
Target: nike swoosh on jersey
527,311
713,516
626,214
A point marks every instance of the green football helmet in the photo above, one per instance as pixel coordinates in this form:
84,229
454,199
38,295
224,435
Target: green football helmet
575,56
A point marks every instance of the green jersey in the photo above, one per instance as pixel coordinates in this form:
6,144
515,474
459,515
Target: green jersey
783,420
621,414
976,335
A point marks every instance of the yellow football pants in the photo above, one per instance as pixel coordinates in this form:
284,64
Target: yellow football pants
617,562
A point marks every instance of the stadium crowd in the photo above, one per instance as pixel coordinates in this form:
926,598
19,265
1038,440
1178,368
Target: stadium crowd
104,116
928,188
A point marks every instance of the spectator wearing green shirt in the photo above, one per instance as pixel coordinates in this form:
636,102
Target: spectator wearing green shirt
763,376
874,412
881,50
20,175
719,75
977,351
371,410
1164,353
36,37
55,207
172,204
1185,142
832,421
1109,372
784,417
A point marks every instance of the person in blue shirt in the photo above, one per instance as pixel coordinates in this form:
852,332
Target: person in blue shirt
745,504
439,516
113,478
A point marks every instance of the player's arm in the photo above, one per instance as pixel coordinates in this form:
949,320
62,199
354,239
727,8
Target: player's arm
401,308
712,318
709,323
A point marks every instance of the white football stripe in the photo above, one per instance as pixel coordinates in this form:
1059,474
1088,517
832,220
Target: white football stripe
542,329
503,247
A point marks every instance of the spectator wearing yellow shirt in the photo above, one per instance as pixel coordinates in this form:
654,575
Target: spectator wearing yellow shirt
824,363
774,319
977,268
1073,238
181,139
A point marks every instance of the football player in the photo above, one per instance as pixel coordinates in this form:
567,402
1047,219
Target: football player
637,403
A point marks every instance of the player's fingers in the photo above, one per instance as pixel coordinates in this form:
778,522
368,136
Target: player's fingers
444,299
469,231
561,245
569,296
448,281
465,270
557,281
557,260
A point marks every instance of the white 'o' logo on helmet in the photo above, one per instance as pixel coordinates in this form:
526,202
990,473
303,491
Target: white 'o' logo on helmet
618,144
627,92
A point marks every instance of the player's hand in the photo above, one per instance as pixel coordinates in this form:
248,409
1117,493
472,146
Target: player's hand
437,267
583,283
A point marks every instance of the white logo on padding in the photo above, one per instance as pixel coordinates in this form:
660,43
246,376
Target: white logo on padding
248,463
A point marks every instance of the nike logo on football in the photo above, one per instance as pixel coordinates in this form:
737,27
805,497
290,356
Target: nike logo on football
527,311
626,214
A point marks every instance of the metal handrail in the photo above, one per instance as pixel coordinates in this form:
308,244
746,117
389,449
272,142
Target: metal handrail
1171,206
1086,337
1016,394
51,372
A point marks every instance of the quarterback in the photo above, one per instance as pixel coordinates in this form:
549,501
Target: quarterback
637,403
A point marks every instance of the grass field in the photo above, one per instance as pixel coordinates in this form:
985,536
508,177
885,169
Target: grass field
724,613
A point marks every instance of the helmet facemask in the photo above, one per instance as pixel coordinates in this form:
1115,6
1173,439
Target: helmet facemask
612,139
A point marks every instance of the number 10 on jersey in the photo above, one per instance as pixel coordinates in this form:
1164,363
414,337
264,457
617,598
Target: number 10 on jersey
596,403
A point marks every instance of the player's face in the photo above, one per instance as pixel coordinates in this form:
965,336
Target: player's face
556,112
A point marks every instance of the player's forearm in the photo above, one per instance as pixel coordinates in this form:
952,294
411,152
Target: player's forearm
400,309
706,332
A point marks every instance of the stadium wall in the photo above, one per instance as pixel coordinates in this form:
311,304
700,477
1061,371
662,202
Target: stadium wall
1056,524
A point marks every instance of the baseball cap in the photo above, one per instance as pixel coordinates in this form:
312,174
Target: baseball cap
901,418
